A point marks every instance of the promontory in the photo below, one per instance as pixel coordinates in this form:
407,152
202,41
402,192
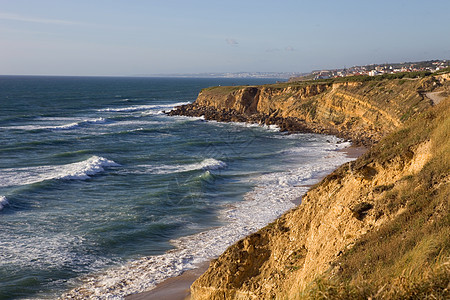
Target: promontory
377,227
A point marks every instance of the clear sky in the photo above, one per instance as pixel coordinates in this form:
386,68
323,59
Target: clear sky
130,37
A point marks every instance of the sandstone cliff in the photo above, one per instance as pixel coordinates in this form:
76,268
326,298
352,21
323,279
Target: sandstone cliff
359,231
361,111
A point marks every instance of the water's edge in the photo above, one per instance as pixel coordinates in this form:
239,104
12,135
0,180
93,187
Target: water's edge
178,287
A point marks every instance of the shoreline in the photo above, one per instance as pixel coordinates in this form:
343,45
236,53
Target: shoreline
174,288
178,287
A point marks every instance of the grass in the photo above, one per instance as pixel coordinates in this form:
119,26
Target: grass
408,257
223,90
433,284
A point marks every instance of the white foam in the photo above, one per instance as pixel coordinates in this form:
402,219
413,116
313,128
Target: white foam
312,149
273,127
135,108
40,250
189,118
69,126
74,171
133,123
78,124
3,202
206,164
274,194
64,127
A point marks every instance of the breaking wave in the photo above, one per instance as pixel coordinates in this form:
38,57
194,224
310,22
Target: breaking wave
74,171
207,164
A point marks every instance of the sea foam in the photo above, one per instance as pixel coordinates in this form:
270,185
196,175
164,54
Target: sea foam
206,164
76,123
135,108
273,195
75,171
3,202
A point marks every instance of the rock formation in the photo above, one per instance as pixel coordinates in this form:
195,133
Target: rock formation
361,111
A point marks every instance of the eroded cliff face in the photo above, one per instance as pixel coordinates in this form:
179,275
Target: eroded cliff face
283,258
361,111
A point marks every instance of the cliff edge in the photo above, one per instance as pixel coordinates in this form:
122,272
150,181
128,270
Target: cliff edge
363,111
376,227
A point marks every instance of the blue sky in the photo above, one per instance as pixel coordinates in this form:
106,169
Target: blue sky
130,37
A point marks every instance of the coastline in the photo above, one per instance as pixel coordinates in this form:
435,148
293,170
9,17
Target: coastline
174,288
178,287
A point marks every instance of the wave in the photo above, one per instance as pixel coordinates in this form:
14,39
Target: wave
74,171
273,127
206,164
134,123
156,107
274,194
78,124
313,148
68,126
3,202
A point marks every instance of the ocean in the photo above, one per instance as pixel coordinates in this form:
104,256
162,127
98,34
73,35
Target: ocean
100,190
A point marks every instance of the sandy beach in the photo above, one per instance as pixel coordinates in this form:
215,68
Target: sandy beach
176,288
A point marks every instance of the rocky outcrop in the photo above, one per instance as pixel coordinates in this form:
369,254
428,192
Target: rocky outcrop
282,259
360,111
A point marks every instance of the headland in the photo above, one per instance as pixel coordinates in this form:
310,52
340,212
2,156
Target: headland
376,227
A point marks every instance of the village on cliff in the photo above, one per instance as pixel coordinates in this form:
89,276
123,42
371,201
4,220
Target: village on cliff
380,69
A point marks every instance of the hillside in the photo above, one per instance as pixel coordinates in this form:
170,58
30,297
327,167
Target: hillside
377,227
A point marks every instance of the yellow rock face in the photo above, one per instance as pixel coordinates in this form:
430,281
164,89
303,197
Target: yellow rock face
359,110
284,257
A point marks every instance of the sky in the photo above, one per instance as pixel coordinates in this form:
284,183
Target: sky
143,37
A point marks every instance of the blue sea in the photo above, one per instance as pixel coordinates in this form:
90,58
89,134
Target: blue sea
103,195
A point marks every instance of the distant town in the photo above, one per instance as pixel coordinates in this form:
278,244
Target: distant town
378,69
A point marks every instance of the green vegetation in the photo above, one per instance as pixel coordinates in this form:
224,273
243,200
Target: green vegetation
223,90
443,71
401,79
364,78
409,256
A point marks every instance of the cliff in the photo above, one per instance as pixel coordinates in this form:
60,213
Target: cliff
363,111
376,227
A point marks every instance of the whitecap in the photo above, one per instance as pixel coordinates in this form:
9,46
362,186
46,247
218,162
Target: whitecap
74,171
78,124
64,127
3,202
67,126
206,164
135,108
272,127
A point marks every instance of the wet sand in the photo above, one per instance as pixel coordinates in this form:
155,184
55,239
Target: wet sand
178,288
175,288
354,151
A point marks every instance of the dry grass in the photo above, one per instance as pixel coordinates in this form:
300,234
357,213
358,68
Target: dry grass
408,257
432,284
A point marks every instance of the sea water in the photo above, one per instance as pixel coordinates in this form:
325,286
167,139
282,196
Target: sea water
100,190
